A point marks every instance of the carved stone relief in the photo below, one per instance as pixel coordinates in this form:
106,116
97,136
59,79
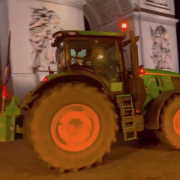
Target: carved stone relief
161,52
74,3
164,4
125,5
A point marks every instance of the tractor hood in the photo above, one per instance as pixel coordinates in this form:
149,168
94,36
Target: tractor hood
160,72
155,72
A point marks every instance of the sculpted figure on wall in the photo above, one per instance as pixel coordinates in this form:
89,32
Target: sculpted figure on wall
161,53
44,23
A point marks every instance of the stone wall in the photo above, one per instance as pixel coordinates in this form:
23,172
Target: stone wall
31,24
152,20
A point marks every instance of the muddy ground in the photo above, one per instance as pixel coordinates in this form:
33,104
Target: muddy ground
134,160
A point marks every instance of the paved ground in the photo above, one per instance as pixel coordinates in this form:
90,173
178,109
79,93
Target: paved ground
135,160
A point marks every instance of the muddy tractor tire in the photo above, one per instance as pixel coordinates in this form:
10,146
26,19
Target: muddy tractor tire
71,126
170,122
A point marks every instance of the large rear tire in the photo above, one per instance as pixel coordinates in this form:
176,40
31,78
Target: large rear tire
71,126
170,122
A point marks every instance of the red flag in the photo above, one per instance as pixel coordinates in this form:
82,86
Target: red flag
5,92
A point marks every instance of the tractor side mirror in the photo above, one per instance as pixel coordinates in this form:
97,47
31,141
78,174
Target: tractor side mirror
49,70
125,43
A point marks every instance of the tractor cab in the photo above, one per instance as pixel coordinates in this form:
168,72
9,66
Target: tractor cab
91,51
97,53
101,53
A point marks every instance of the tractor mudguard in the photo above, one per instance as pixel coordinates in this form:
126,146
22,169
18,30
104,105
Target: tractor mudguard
67,77
152,121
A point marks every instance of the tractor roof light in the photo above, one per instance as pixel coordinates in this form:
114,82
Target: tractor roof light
59,34
124,26
72,33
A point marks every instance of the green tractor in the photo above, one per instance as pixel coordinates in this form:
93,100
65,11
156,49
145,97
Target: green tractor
73,116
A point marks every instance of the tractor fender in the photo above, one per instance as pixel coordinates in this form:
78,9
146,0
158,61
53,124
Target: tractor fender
153,115
90,78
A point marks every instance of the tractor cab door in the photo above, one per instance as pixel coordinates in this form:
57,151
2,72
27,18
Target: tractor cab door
99,54
117,70
60,57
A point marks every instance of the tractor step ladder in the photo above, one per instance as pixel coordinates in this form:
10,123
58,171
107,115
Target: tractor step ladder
127,117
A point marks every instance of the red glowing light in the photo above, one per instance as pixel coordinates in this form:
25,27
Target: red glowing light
44,79
124,26
137,111
142,71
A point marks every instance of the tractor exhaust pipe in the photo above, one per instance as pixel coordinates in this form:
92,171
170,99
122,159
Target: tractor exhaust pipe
134,55
136,83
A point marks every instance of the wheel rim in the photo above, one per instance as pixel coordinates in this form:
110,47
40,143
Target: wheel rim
176,122
75,127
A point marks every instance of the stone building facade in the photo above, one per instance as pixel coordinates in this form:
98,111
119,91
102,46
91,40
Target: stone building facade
153,20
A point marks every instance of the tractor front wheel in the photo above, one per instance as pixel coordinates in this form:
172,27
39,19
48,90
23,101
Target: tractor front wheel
72,126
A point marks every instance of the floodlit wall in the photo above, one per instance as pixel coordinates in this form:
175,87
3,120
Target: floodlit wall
153,21
32,23
157,34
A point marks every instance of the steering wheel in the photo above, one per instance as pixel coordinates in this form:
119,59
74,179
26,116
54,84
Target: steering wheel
85,62
111,71
75,58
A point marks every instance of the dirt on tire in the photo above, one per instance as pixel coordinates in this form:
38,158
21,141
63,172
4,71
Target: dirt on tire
37,123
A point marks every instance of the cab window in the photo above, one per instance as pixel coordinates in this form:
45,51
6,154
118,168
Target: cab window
96,53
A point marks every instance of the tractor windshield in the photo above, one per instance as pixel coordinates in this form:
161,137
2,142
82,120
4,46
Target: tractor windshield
94,53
